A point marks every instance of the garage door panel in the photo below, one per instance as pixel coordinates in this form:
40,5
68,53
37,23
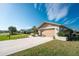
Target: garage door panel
48,33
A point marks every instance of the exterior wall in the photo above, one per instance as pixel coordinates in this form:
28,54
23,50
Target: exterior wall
49,32
62,38
39,32
50,26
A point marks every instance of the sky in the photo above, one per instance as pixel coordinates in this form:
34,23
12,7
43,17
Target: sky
27,15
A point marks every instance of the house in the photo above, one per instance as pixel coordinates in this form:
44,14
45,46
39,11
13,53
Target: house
47,29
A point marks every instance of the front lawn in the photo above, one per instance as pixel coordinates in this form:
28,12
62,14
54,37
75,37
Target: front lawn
52,48
6,37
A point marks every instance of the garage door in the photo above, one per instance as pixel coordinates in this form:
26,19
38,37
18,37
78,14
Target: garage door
48,33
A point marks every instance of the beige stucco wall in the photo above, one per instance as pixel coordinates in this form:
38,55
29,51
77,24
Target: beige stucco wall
44,30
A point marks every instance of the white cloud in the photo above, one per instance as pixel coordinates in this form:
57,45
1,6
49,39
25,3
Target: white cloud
56,11
38,6
67,22
62,13
71,21
35,5
64,20
74,20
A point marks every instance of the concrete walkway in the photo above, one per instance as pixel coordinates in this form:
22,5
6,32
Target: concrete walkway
13,46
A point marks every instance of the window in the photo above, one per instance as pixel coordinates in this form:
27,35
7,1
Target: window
51,28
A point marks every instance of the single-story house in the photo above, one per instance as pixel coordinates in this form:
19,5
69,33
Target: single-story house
47,29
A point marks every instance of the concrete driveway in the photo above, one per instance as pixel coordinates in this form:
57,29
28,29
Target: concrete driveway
13,46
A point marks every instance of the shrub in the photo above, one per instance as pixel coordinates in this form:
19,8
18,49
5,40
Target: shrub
61,33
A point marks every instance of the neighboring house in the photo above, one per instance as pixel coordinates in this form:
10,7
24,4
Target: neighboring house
50,29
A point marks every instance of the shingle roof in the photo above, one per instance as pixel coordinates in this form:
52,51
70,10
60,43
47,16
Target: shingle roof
49,23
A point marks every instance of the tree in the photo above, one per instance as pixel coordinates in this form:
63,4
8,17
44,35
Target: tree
35,30
12,30
29,31
23,31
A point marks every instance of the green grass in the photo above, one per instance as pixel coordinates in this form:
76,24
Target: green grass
52,48
6,37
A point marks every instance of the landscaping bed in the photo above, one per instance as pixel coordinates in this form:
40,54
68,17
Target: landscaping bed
11,37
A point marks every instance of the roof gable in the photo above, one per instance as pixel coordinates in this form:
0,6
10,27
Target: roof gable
46,24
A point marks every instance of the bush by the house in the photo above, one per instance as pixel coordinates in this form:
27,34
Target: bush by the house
61,33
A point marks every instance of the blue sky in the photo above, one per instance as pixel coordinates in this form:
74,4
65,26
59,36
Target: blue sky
24,16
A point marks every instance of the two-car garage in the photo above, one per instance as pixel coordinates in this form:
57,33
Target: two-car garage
48,33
